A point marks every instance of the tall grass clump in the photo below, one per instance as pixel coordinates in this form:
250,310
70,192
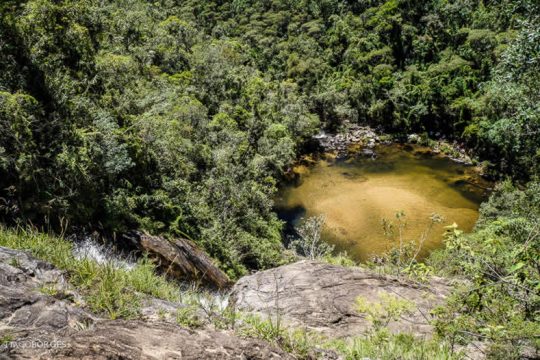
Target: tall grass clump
106,288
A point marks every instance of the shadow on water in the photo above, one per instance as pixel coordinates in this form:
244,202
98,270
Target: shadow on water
355,194
291,216
474,192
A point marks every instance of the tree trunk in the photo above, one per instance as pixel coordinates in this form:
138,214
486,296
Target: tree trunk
179,258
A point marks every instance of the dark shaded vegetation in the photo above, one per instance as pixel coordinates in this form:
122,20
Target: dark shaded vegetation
180,116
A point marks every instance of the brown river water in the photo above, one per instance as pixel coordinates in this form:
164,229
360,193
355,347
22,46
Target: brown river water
356,194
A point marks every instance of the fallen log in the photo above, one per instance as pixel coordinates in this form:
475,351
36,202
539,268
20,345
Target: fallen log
179,258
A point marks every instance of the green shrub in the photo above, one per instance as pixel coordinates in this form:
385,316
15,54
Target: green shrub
188,317
385,346
499,296
298,342
388,308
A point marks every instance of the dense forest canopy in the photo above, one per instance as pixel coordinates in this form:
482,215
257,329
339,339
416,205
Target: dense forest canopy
179,117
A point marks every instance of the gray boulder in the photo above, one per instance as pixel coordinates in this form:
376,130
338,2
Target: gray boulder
322,297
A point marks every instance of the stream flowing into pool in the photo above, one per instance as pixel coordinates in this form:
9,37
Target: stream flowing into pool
357,193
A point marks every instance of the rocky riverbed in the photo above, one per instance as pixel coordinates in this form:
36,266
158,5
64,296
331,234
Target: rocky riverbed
340,142
354,139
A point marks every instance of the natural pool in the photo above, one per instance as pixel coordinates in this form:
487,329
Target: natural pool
357,193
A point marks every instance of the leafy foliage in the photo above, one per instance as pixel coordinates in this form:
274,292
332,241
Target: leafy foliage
388,308
181,116
500,299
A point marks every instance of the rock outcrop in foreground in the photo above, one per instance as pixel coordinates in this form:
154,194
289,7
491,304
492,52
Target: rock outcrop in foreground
35,325
322,298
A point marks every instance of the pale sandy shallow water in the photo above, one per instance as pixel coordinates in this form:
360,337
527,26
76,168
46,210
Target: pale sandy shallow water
356,194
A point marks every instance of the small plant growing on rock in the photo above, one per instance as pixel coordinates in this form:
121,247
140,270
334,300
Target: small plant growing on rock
389,308
299,342
340,259
188,317
5,339
14,262
49,289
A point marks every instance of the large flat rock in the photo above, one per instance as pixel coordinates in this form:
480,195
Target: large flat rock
120,339
322,297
